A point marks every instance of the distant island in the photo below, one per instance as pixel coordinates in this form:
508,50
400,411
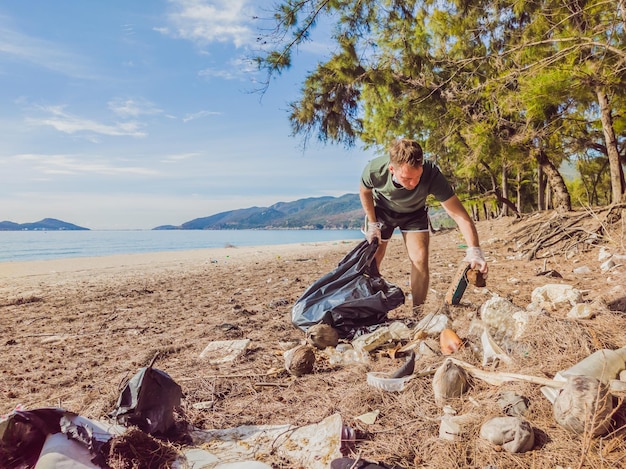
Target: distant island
314,213
47,224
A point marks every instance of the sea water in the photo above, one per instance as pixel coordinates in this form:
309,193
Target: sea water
18,246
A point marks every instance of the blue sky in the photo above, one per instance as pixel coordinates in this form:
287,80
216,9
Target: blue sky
123,114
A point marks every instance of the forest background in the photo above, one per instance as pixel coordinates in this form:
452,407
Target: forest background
499,93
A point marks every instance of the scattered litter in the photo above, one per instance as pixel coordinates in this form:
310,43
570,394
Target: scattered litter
384,382
603,364
312,446
449,342
450,380
407,368
581,311
513,434
432,324
224,351
369,418
492,352
455,427
300,360
556,295
503,318
584,404
352,296
512,404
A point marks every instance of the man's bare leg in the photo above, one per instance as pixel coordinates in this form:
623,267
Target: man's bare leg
417,248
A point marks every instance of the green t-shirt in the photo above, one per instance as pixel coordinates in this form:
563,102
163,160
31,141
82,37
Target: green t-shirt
376,176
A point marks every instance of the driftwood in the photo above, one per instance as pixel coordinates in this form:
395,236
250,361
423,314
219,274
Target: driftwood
553,233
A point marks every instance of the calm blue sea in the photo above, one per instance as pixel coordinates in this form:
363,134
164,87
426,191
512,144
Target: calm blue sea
41,245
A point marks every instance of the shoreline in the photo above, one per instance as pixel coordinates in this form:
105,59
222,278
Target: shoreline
164,260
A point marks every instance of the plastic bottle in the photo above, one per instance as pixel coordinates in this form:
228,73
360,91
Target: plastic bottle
604,365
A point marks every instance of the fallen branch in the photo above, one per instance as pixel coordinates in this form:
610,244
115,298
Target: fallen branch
498,378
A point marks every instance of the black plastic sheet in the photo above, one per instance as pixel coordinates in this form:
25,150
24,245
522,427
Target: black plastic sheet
148,401
351,297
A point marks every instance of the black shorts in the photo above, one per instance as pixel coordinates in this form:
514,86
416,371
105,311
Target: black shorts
413,221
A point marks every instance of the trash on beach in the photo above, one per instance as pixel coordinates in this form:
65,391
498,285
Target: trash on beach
497,378
53,438
300,360
385,382
224,351
512,404
432,324
513,434
312,446
148,400
502,318
369,418
449,342
454,427
322,336
352,296
450,380
407,367
604,364
492,352
584,405
555,295
373,340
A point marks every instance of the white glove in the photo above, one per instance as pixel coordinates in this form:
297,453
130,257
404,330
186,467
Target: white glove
372,231
476,259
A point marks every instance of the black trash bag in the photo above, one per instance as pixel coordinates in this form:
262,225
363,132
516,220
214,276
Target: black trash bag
351,297
23,435
148,401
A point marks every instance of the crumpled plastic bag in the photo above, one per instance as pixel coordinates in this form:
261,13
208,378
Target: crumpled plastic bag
148,401
351,297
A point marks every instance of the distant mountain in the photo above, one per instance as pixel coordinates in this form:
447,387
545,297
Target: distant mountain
47,224
315,213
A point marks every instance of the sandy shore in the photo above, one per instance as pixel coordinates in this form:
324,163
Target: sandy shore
72,331
14,274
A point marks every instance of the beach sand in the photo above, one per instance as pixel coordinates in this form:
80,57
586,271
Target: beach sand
74,330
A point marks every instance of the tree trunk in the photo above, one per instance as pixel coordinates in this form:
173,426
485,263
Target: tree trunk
518,179
541,189
504,210
560,195
617,174
503,201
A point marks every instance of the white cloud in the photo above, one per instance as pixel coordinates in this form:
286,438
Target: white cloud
70,124
238,69
209,21
199,115
133,107
72,165
180,157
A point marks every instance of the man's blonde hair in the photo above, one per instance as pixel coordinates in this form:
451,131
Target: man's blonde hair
406,151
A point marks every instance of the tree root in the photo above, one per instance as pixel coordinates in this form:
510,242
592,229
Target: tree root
554,233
